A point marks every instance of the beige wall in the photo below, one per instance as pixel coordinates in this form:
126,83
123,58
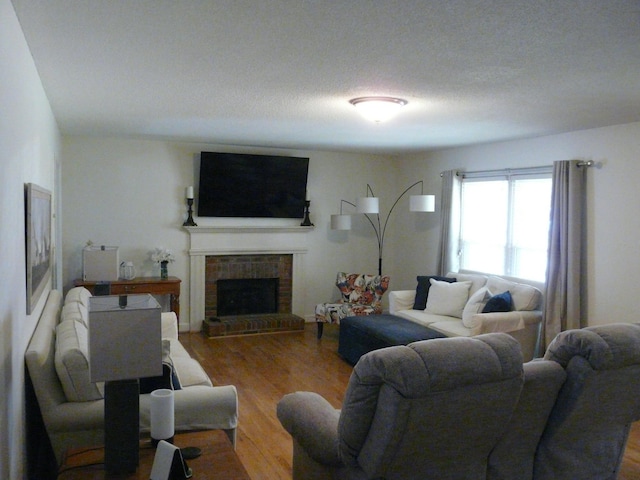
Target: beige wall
613,223
130,194
30,146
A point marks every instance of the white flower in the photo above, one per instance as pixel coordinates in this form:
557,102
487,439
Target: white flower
161,254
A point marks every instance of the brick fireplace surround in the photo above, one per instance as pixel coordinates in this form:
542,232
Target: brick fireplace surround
246,252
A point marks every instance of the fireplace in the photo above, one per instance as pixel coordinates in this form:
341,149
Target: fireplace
227,244
248,280
246,296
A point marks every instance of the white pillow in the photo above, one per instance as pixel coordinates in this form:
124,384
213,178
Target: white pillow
476,303
72,364
447,298
525,297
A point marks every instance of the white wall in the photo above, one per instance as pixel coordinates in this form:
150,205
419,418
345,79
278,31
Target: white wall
29,147
130,194
613,223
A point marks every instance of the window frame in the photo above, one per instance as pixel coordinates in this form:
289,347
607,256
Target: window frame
511,176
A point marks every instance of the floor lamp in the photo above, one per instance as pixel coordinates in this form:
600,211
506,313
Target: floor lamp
125,344
370,205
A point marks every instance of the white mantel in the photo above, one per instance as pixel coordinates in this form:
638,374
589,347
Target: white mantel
243,240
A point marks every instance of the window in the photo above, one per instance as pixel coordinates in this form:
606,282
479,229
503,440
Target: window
504,222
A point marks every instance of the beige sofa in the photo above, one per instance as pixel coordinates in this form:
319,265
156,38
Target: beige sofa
73,408
455,310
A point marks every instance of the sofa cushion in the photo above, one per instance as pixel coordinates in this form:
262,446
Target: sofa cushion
525,297
501,302
477,280
78,294
72,362
475,304
422,289
447,298
75,311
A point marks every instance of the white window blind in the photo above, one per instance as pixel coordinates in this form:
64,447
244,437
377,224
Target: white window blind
504,224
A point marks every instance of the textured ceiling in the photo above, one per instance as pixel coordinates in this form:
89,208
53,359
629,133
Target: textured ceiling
280,73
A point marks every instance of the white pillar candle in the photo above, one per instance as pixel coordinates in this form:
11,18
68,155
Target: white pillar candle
162,414
190,192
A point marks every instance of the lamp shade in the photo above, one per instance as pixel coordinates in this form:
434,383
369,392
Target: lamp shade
125,337
422,203
367,205
340,222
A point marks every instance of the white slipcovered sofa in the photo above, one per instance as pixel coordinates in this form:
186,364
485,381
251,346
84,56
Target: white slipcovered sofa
455,309
73,408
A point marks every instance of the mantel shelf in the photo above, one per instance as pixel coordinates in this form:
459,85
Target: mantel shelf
248,229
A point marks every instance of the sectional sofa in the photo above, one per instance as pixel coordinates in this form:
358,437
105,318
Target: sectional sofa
459,304
73,408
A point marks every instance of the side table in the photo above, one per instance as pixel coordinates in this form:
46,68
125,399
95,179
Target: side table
152,285
217,462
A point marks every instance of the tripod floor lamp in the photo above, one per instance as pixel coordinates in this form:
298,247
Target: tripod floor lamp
370,207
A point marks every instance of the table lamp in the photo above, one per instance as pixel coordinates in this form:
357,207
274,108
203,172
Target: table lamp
125,344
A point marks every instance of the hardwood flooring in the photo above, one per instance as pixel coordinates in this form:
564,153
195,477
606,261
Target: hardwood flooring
266,367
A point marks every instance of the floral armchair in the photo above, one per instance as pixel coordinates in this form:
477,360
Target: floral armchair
360,294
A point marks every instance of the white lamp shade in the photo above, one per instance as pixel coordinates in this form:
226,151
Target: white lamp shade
125,337
367,205
422,203
340,222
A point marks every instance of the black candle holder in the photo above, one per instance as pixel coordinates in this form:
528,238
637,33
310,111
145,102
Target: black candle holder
189,222
307,221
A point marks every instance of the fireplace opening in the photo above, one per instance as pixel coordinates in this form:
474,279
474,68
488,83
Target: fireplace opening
247,296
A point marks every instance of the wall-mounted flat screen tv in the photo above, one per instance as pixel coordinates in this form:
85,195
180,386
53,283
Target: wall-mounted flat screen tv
245,185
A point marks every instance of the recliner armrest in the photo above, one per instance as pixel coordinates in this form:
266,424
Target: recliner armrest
401,300
313,423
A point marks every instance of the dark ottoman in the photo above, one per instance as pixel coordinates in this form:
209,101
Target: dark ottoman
362,334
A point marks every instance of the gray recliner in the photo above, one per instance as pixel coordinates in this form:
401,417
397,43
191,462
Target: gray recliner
434,409
587,430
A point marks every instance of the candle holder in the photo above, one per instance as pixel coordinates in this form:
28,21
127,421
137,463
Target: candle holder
307,221
189,222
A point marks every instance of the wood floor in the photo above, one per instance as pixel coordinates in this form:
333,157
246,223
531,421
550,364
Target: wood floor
265,367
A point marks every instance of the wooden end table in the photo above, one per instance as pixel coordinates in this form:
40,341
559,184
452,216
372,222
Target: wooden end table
152,285
218,460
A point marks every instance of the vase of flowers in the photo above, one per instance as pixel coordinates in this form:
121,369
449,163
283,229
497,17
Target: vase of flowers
163,257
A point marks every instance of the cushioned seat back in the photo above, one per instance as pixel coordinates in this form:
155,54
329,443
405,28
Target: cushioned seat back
588,427
361,288
433,409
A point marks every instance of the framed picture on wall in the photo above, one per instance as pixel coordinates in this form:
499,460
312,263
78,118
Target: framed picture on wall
38,242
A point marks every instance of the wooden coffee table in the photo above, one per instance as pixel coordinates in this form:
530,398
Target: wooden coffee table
218,459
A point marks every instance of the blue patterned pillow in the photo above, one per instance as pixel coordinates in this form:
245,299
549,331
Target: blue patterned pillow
499,303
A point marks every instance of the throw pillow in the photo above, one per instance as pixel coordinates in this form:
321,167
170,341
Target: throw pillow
499,303
169,378
475,305
422,290
447,298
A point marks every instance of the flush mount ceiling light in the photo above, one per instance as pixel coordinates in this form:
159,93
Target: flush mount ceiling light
378,109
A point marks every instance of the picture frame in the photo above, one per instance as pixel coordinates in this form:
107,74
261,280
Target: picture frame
38,239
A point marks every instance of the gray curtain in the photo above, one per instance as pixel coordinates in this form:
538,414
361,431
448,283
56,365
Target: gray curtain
448,258
565,266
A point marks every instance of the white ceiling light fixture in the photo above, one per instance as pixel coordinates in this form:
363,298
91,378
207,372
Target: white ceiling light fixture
378,109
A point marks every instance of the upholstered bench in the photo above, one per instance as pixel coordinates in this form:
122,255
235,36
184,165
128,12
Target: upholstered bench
362,334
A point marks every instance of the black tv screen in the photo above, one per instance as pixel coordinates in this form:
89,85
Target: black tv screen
245,185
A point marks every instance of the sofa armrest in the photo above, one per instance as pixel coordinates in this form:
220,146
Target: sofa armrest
313,423
401,300
169,322
504,321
